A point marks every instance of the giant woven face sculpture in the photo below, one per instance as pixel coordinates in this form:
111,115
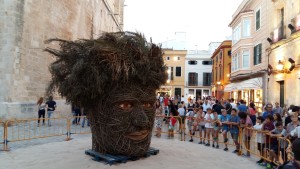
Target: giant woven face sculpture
114,78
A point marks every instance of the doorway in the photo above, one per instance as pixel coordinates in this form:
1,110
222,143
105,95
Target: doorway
281,93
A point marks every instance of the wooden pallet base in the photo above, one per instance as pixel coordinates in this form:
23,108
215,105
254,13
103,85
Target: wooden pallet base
114,159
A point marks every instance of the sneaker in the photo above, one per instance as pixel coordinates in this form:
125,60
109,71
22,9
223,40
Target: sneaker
217,146
246,155
260,161
213,145
200,142
226,149
235,151
269,166
207,144
191,140
262,164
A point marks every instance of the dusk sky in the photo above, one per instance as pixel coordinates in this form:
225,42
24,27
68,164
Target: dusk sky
203,21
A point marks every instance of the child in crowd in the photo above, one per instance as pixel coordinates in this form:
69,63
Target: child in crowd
259,137
276,143
208,119
216,128
268,126
225,128
246,124
234,130
190,120
172,125
182,113
199,122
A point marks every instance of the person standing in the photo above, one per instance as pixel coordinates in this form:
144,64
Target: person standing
51,105
205,106
278,109
269,111
41,110
252,112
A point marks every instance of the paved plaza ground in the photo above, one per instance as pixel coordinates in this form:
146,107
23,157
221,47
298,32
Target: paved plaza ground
173,154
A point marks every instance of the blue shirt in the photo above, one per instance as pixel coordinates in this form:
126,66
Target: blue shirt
223,119
234,128
243,108
265,114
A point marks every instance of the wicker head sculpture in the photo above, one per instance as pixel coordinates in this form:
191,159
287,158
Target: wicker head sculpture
114,78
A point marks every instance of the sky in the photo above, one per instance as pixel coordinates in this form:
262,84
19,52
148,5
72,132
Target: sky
204,21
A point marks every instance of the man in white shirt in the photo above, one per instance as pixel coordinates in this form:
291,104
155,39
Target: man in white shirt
206,105
233,105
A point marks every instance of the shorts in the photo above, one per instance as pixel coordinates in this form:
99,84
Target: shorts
201,127
171,127
183,119
273,147
158,122
260,147
234,136
190,124
216,128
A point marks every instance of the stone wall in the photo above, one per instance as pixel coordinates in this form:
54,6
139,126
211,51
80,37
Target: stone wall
24,26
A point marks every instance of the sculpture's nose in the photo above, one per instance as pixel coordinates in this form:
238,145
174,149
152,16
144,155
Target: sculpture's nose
140,119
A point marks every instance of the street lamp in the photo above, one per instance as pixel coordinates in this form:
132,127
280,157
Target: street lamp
168,81
279,66
218,82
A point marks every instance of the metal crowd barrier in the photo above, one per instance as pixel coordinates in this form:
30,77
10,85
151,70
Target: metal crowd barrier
268,148
28,129
2,135
204,138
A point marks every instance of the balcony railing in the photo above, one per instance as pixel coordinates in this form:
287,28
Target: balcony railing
197,83
278,34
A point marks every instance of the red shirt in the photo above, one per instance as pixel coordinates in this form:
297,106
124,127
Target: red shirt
166,102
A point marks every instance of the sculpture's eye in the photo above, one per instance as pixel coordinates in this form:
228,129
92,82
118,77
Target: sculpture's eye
125,105
147,105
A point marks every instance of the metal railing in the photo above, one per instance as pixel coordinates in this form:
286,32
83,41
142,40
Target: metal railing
34,128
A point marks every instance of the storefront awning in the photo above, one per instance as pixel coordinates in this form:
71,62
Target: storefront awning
255,83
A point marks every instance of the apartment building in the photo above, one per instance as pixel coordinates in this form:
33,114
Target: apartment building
175,61
221,69
249,58
197,74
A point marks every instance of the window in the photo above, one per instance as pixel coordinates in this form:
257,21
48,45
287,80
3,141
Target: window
191,91
206,79
178,57
257,54
233,64
246,59
168,58
220,72
206,63
257,19
236,34
178,71
177,91
193,79
192,62
170,75
237,61
246,27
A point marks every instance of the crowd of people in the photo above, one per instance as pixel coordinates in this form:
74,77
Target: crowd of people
210,117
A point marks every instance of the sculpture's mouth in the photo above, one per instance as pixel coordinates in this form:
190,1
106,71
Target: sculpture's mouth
138,135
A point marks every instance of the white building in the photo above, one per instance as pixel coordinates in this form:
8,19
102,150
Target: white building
198,68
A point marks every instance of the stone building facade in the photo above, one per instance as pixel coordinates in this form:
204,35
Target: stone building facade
24,26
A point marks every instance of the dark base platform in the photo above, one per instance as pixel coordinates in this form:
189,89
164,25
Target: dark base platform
113,159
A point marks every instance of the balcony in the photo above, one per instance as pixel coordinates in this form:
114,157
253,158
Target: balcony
197,83
278,34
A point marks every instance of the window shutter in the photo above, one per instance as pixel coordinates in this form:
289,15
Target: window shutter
254,56
196,79
259,56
